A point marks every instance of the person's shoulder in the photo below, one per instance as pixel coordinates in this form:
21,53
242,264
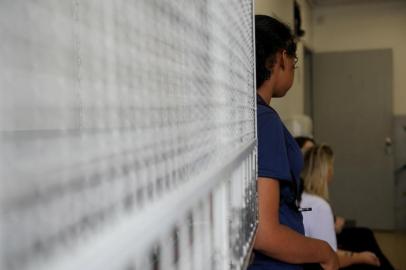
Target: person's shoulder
315,201
267,113
261,109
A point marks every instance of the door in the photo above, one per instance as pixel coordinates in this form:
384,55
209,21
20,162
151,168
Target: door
352,109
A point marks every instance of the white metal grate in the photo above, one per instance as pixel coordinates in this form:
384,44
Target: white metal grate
127,134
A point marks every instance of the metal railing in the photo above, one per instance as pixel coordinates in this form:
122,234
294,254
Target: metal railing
127,135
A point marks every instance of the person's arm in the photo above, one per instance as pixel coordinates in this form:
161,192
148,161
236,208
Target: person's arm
279,241
339,224
347,258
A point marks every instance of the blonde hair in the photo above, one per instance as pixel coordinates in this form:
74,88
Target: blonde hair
318,161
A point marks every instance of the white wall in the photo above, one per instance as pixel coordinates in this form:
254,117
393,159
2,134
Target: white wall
280,9
307,23
360,27
293,102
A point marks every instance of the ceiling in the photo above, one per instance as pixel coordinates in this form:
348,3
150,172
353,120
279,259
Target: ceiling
322,3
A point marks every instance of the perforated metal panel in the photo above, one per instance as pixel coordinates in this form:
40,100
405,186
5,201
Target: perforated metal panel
127,134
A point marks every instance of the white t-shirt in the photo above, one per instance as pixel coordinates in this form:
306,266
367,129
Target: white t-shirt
318,223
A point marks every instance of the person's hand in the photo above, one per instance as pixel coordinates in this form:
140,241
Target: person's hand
332,261
367,257
339,224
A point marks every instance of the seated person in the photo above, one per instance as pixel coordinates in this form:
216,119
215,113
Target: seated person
350,237
319,222
305,143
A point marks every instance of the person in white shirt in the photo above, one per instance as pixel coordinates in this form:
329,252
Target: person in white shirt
319,220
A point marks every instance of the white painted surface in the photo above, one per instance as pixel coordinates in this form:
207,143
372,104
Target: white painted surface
118,121
306,12
280,9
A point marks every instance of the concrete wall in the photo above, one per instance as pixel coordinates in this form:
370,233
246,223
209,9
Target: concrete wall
360,27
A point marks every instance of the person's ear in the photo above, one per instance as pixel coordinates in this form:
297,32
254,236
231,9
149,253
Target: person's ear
283,59
270,63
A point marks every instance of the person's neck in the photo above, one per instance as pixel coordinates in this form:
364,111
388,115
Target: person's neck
265,91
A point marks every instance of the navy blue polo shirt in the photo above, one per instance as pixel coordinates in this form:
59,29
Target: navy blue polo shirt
279,157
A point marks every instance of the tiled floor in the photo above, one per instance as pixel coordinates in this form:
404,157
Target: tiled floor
393,244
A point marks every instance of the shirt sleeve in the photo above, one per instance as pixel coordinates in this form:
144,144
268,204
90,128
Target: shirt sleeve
273,159
321,225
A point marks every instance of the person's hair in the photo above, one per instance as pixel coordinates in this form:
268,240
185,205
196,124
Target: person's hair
271,36
317,162
301,140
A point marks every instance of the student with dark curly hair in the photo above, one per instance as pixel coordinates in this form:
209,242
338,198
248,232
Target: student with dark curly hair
280,242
